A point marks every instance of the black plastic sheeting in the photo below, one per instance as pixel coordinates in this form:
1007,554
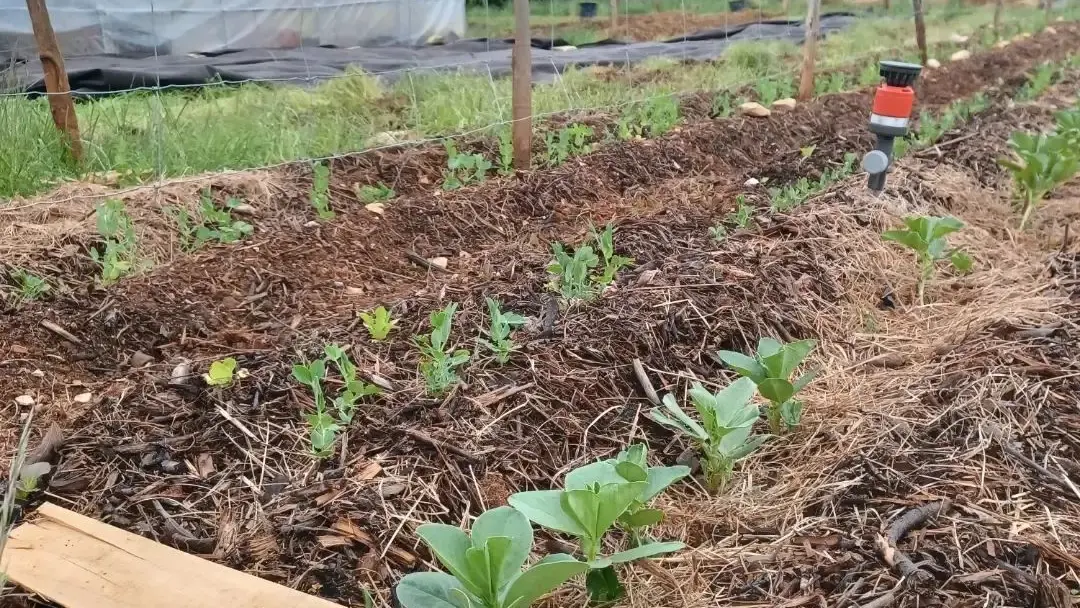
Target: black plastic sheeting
90,75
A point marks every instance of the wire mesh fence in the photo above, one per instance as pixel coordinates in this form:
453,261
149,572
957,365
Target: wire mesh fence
157,115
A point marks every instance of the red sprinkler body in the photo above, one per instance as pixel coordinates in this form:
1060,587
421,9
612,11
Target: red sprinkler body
893,104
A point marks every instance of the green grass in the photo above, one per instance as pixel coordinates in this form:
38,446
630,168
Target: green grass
144,135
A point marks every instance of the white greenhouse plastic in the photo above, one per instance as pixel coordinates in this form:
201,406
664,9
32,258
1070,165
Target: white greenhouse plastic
175,27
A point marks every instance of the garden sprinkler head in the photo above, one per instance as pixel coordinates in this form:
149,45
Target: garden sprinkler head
889,119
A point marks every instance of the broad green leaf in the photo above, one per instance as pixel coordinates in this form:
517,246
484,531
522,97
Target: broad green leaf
302,374
637,553
960,260
748,447
635,454
767,347
661,417
642,518
791,412
944,226
511,524
675,416
613,502
805,379
432,590
450,545
631,472
544,508
905,237
221,372
742,364
602,472
659,478
776,390
603,586
731,443
584,507
732,402
542,578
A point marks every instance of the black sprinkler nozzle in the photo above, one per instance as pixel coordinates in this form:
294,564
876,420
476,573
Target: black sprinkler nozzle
898,73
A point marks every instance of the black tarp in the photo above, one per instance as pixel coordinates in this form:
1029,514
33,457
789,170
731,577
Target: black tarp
91,75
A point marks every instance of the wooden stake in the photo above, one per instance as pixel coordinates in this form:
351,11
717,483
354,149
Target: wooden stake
56,78
920,31
999,7
813,26
521,64
614,7
1049,7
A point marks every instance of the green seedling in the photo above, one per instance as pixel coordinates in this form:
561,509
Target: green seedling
373,193
1038,82
438,364
651,118
320,191
925,235
571,274
569,141
723,105
737,220
1068,127
353,389
213,224
724,435
613,263
322,428
223,372
772,369
869,76
498,335
29,479
117,255
485,567
771,89
506,151
28,286
588,513
1039,164
378,323
835,82
463,169
631,465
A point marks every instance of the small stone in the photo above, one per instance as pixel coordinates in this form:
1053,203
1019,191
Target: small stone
1060,19
37,373
389,138
354,291
24,400
311,224
960,55
958,39
19,349
439,262
752,108
339,284
1050,30
245,209
933,63
82,398
647,277
1000,44
753,181
170,466
140,359
785,104
376,208
181,373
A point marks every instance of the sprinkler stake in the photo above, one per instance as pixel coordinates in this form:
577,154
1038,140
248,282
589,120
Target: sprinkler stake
890,117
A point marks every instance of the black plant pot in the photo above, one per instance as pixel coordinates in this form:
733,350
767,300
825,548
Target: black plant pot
587,10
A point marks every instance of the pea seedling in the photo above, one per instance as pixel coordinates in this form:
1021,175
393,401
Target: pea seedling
925,235
438,364
502,322
772,369
1040,163
463,169
354,389
373,193
117,256
223,372
320,191
378,323
724,436
322,428
28,286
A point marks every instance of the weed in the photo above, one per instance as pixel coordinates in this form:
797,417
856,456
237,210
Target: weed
1040,163
213,224
378,323
723,105
724,435
502,322
572,275
651,118
772,89
373,193
569,141
793,195
463,169
117,255
320,191
932,128
485,567
738,219
28,286
772,369
869,75
925,235
1038,82
438,364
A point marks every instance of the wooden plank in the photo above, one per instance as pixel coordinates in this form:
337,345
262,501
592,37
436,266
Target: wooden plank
79,562
56,78
521,65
